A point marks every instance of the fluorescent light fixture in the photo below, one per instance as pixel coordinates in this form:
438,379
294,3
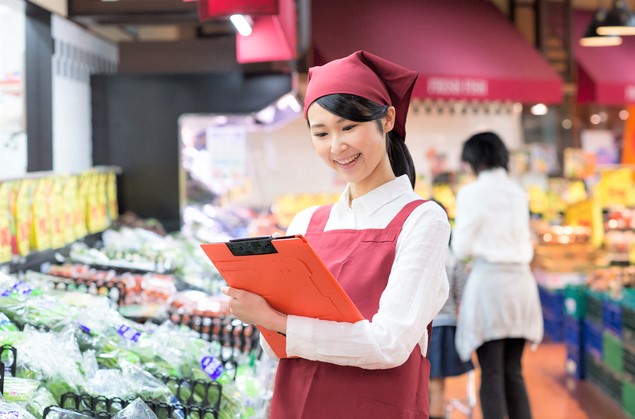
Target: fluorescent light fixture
539,109
242,24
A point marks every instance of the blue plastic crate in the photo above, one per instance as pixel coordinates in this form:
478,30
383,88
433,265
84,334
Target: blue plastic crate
573,331
575,361
612,316
554,329
593,339
552,301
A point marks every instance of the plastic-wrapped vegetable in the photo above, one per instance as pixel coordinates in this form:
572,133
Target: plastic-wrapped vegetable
136,410
6,325
39,311
14,411
19,389
41,399
59,413
129,383
54,359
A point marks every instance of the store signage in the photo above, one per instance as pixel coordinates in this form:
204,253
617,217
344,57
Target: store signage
616,187
629,93
453,86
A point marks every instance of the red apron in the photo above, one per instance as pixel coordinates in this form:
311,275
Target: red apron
361,260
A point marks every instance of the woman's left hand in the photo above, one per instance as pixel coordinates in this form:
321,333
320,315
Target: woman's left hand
253,309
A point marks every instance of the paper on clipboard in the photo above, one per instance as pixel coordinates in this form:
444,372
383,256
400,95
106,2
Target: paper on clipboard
289,274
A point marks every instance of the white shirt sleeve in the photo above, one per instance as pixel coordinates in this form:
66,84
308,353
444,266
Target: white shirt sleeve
466,225
417,289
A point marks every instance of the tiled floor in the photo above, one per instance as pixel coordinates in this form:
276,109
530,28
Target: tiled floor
551,393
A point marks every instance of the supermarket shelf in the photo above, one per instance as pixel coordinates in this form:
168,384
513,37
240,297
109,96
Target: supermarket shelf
34,260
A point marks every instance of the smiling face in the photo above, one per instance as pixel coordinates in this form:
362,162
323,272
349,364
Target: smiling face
355,150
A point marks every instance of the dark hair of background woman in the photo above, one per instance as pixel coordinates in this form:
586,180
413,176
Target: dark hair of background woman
485,151
359,109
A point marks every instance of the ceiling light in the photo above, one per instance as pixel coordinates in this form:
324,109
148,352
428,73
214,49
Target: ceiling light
618,21
242,24
592,38
539,109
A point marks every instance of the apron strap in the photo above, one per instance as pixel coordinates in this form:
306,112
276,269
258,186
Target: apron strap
405,212
318,220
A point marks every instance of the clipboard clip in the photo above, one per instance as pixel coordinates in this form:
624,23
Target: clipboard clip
252,246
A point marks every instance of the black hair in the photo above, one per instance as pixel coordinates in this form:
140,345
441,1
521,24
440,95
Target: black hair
485,151
359,109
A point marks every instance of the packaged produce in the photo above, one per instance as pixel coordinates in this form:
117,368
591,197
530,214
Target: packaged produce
19,389
59,413
10,410
40,400
52,358
136,410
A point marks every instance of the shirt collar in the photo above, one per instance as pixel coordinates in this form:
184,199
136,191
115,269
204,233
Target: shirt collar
379,196
493,173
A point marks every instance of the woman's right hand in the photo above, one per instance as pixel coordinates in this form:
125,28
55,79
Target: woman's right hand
253,309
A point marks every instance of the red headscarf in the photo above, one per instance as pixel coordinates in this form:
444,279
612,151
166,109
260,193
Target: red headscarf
366,75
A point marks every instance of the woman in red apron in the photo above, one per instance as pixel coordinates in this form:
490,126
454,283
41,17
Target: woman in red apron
382,242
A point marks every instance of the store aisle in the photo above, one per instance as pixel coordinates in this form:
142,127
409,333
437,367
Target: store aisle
551,393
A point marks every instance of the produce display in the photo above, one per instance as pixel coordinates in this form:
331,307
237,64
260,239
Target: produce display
619,236
101,353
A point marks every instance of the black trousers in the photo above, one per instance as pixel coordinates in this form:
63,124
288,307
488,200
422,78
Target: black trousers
502,385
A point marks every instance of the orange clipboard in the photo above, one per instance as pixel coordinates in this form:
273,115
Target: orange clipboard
287,273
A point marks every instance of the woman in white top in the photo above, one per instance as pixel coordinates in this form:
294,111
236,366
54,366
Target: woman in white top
382,242
500,307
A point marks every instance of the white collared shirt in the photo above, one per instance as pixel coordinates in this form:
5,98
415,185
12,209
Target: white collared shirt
417,286
492,220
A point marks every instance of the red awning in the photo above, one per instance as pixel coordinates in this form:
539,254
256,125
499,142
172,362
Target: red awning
463,49
606,75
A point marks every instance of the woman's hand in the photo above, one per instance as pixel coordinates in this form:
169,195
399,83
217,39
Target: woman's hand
253,309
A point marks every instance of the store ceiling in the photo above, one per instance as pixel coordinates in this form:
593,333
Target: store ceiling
164,20
173,20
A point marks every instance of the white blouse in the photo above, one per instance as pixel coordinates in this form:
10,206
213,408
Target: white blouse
492,220
417,286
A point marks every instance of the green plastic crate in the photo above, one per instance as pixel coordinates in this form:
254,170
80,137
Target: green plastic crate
602,377
628,398
628,325
613,352
593,306
575,301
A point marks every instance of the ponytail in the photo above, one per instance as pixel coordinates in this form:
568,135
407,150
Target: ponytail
400,158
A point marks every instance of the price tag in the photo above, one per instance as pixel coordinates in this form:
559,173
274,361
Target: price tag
129,333
212,367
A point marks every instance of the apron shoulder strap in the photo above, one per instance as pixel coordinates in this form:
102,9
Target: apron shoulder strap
318,220
405,212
